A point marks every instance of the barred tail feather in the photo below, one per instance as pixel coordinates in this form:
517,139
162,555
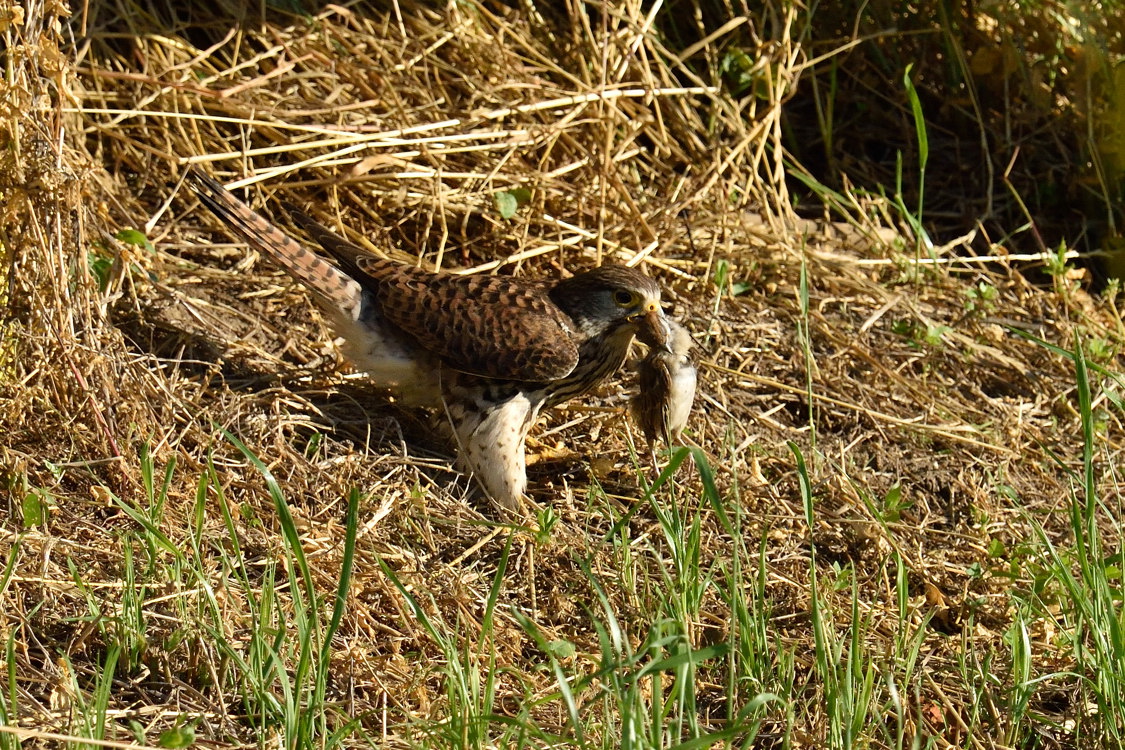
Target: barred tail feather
338,290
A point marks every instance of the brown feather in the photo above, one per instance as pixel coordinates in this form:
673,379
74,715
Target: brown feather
485,325
338,291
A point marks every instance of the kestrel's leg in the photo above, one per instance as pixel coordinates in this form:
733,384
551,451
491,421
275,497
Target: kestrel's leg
491,432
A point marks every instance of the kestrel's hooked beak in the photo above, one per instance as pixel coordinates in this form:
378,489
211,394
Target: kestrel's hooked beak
652,327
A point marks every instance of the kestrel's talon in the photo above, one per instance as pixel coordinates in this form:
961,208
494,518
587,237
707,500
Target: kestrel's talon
546,453
491,351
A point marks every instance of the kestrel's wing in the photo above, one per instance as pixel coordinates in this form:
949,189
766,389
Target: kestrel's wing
484,325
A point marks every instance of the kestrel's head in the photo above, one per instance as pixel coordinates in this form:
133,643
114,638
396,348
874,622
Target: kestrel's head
613,300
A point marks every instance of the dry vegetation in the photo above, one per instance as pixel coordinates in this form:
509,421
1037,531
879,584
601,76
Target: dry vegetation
944,450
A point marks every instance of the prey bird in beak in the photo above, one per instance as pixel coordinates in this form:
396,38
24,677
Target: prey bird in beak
667,380
653,329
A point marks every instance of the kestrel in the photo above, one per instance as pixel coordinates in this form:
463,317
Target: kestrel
491,351
666,386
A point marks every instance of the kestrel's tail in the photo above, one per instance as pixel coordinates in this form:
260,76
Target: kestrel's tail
344,253
336,288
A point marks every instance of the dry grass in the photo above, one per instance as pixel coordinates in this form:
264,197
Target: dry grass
400,127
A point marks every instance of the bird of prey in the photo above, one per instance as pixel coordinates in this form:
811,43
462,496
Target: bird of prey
666,386
491,351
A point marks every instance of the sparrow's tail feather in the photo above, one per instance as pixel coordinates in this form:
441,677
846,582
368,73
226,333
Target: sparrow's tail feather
336,288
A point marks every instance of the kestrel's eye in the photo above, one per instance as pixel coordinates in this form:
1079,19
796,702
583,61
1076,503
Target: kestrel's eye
625,298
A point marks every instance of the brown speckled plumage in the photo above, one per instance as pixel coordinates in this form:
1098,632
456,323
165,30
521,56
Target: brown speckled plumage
491,351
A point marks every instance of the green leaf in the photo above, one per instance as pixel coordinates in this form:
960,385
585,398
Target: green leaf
177,737
738,69
739,287
722,269
34,509
561,649
934,334
508,201
919,117
136,238
892,504
100,266
138,730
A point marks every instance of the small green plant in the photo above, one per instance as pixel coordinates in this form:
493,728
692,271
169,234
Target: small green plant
738,71
843,663
981,297
128,625
136,238
288,674
894,504
471,718
934,334
919,337
1101,349
35,507
508,201
906,328
102,259
314,444
100,266
1057,263
546,519
914,217
725,282
178,737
